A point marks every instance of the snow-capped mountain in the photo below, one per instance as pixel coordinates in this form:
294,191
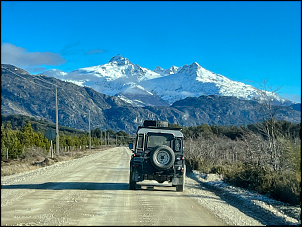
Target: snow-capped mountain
142,87
193,81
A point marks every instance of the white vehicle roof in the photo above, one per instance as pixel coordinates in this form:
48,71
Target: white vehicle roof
176,133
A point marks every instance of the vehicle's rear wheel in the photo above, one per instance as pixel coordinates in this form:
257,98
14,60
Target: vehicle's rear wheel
162,157
181,187
132,184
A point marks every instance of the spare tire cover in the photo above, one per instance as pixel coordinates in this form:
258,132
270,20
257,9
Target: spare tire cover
162,157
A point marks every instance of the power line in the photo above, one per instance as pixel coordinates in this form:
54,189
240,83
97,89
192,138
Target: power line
57,119
42,85
58,87
38,78
29,80
44,80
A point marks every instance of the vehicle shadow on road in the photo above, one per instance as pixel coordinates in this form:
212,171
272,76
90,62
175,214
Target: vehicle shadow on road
70,186
85,186
246,206
155,188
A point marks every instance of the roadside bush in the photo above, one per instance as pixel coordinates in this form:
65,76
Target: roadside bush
33,153
249,176
198,164
282,186
264,157
218,170
287,188
193,163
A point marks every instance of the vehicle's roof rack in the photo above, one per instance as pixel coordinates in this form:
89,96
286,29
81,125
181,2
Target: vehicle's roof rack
168,128
152,123
158,125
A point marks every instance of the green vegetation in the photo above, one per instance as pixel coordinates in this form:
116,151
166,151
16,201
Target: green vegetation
42,125
21,134
265,157
14,142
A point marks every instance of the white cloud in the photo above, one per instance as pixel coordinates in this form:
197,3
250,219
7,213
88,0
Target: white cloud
20,57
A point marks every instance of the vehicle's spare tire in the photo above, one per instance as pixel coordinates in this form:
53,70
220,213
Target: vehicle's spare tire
162,157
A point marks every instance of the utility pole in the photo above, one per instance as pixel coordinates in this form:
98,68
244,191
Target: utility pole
89,133
57,123
101,137
105,138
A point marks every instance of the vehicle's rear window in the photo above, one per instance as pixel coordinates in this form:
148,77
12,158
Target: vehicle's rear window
158,139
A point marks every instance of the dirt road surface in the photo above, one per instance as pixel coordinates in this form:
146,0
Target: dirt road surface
93,190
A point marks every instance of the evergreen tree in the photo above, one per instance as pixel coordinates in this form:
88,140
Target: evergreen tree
10,140
27,138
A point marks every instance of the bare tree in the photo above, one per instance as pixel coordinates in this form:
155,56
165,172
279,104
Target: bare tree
268,126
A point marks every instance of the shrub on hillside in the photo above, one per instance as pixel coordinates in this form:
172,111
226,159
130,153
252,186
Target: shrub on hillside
282,186
287,188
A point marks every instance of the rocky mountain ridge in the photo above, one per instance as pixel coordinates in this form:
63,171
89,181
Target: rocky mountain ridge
159,87
34,95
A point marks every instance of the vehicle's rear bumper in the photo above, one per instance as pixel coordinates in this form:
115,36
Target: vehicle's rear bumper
176,179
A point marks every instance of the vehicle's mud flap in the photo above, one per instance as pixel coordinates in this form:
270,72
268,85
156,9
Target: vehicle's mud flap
137,177
176,181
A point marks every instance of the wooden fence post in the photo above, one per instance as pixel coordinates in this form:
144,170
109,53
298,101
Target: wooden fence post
52,150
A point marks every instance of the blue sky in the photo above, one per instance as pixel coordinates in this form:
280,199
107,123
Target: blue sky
247,41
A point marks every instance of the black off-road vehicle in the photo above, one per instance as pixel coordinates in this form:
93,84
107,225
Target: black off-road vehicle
158,154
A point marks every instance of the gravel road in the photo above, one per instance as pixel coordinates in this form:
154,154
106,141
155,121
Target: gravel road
93,190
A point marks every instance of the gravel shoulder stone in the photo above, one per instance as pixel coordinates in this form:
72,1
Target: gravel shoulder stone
238,206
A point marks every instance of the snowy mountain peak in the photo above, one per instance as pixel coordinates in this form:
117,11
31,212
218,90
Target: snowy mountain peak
165,72
190,69
119,60
195,65
174,69
158,69
163,86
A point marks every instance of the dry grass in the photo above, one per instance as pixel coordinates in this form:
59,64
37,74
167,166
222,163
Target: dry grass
34,159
